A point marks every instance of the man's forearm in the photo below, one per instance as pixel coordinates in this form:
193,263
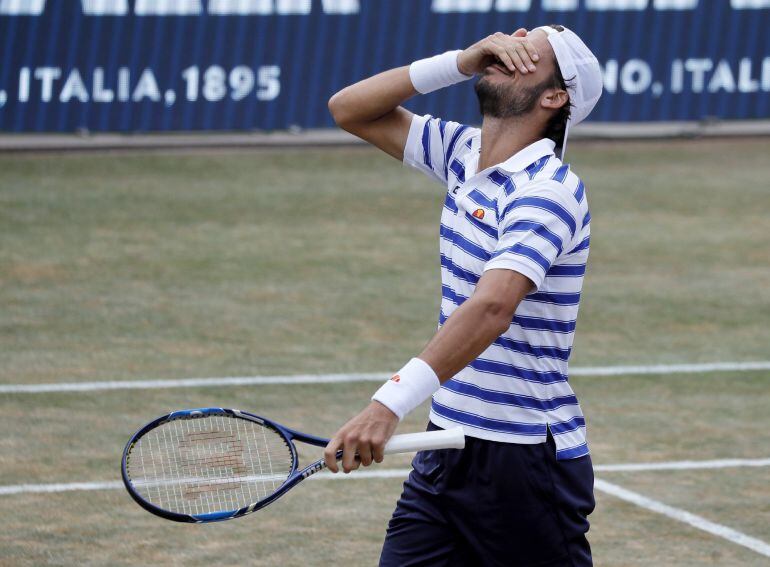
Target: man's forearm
476,324
464,336
372,98
370,109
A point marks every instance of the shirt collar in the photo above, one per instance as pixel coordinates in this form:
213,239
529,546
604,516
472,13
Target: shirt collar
524,157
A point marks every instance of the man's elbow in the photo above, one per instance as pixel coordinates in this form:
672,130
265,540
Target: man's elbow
498,314
334,107
339,109
502,324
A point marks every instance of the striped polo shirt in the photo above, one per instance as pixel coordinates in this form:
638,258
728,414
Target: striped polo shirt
528,214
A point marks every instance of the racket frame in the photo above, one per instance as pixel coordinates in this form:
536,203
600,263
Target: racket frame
288,434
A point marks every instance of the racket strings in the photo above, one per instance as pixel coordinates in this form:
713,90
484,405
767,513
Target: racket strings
211,464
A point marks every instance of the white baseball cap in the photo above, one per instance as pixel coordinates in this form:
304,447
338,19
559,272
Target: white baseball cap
581,72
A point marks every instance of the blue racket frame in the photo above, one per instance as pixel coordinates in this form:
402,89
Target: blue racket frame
295,476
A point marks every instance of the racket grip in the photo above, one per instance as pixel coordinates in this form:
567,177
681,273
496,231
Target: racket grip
410,442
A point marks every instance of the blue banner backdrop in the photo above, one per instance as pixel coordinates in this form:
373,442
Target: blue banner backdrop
149,65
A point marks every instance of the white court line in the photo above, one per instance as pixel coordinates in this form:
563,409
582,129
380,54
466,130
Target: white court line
401,473
683,516
11,489
191,383
670,368
683,465
355,377
115,484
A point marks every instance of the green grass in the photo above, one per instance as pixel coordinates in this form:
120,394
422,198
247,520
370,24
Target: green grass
163,265
323,524
142,265
629,419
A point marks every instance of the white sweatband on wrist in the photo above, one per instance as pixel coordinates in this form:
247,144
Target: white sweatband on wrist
436,72
408,388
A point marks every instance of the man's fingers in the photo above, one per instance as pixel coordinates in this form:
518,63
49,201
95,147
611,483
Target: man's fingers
533,54
330,454
512,53
525,57
499,51
365,452
349,460
520,65
378,449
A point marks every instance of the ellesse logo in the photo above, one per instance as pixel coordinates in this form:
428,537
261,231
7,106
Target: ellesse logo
479,213
396,378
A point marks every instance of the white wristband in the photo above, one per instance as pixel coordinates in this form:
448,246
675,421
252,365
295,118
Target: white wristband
408,388
436,72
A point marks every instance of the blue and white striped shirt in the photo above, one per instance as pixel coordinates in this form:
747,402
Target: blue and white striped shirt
528,214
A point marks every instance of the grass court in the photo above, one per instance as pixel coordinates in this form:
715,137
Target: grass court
162,265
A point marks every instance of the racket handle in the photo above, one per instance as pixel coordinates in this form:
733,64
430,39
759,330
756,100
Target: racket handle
411,442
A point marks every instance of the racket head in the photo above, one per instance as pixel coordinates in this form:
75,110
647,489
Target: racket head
208,464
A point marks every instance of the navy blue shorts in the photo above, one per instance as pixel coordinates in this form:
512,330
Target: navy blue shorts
492,504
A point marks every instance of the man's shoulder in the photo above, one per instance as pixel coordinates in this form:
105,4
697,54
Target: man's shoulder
552,177
546,192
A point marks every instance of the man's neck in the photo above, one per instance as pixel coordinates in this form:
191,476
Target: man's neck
502,138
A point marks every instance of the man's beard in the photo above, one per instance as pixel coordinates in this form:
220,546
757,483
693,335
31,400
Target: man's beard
506,101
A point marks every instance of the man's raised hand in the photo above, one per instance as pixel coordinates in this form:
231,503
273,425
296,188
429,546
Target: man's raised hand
515,52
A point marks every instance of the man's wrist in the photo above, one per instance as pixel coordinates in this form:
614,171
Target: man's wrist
436,72
408,388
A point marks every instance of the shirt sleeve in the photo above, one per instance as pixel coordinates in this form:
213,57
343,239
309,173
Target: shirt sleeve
431,144
538,223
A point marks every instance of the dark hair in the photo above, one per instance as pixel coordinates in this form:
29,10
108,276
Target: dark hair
557,125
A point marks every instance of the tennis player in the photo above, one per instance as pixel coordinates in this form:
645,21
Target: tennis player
514,240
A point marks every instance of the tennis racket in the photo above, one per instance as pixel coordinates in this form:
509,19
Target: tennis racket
214,464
